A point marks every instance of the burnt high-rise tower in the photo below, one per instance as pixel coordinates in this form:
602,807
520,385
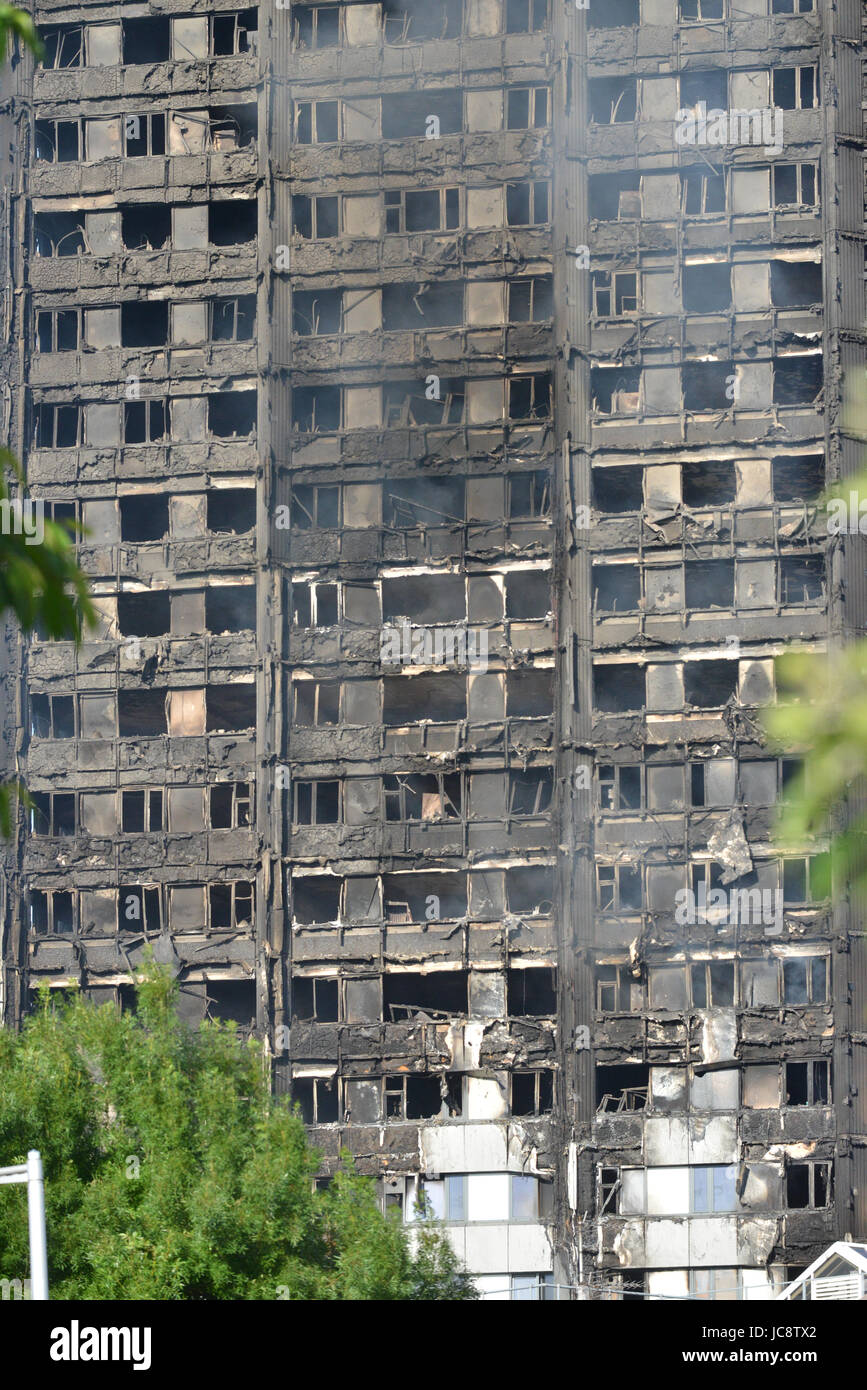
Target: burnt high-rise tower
445,387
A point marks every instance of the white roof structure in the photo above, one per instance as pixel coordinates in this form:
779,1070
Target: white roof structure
840,1273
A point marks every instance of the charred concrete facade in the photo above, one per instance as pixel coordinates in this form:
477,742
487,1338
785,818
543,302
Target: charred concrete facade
446,392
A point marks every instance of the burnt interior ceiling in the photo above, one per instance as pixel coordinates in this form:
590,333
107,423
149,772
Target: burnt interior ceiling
445,400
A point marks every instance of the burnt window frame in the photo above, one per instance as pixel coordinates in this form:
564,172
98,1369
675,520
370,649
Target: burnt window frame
41,825
55,407
400,796
40,131
799,165
50,895
241,805
53,315
149,794
397,204
237,897
609,876
314,103
299,786
538,193
620,987
149,122
606,282
537,95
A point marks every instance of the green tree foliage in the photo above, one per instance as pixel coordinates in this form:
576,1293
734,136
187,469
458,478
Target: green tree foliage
18,24
172,1172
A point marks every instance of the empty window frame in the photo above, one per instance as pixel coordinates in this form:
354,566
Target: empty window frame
317,312
618,888
317,26
531,299
614,197
51,912
232,33
792,6
146,226
708,484
616,588
142,811
615,390
232,320
232,414
807,1083
798,380
144,133
144,323
709,584
318,1098
531,1092
413,21
52,716
51,813
806,880
613,100
621,1088
796,284
315,998
419,306
229,806
316,803
615,293
316,506
317,703
530,396
802,579
407,403
699,11
707,287
618,490
59,234
58,142
139,909
316,122
63,46
702,192
144,517
231,510
422,209
58,330
527,108
798,478
527,204
618,689
795,89
146,40
232,127
423,796
617,990
230,905
145,422
315,605
619,786
531,992
795,185
530,791
529,495
316,408
526,16
315,898
57,426
315,218
411,1097
709,684
809,1184
712,984
806,979
232,221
